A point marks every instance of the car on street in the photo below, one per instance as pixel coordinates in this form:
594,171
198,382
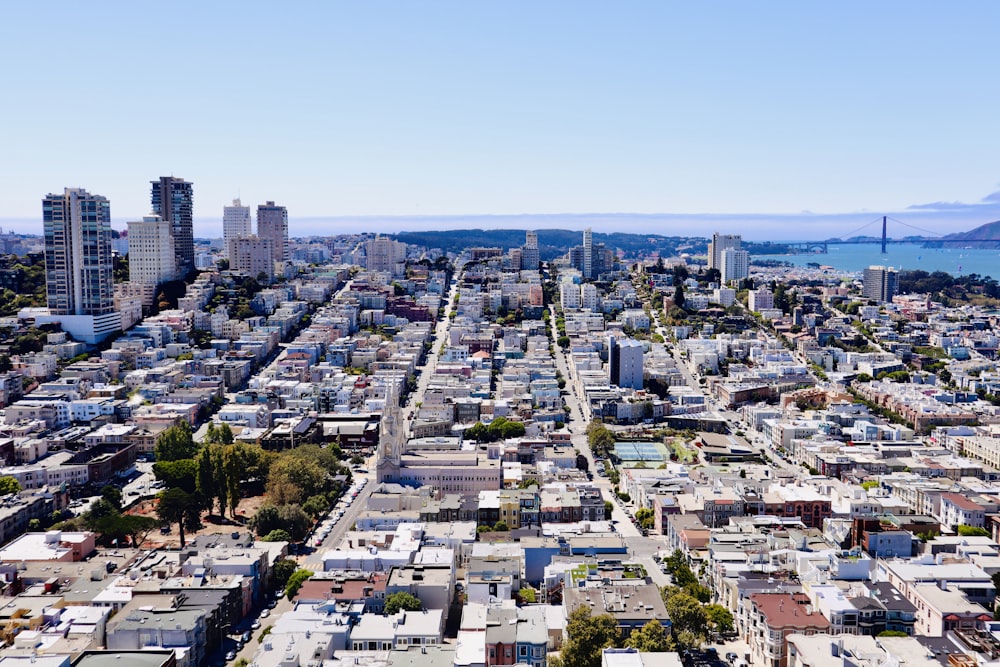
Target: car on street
231,655
255,625
265,613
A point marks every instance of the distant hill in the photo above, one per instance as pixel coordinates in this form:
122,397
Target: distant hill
983,236
554,242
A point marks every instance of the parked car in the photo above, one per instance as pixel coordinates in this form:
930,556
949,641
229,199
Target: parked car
231,655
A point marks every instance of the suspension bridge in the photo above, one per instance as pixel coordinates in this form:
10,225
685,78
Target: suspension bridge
857,237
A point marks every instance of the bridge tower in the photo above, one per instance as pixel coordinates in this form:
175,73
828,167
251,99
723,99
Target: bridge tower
883,234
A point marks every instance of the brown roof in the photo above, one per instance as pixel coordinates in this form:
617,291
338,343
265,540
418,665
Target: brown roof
342,591
961,502
788,611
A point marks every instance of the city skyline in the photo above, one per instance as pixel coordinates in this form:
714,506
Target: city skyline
725,115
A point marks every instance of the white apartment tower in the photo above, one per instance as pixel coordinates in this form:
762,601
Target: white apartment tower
588,253
719,243
735,265
78,272
235,224
151,258
385,255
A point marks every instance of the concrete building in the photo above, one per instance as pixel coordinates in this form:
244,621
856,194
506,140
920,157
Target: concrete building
384,255
151,258
272,223
235,224
880,283
252,255
78,272
735,264
760,299
172,199
625,362
718,244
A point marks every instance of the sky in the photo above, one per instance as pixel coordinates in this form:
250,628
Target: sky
778,120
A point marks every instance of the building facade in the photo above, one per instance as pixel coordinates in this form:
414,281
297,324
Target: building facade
235,224
151,258
78,271
272,223
880,283
172,199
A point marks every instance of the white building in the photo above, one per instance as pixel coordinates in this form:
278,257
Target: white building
235,224
735,264
252,256
760,299
151,251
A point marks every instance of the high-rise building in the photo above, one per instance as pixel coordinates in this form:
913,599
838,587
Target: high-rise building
79,283
151,258
529,253
588,253
252,256
173,200
880,283
735,265
272,223
625,362
235,223
382,254
760,299
719,243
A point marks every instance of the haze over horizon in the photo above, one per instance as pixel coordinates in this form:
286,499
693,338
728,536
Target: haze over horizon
779,121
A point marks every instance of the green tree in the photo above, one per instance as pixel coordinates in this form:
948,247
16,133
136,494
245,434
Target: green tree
526,595
687,617
175,442
277,535
315,506
265,519
283,569
972,531
679,296
719,618
588,636
9,485
295,582
600,439
402,601
178,474
500,527
113,495
650,638
178,506
645,517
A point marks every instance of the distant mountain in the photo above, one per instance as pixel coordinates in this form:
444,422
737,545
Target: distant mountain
983,236
554,242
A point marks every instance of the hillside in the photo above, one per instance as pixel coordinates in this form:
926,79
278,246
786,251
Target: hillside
554,242
983,236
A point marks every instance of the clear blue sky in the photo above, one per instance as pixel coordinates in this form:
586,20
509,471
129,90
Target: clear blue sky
424,108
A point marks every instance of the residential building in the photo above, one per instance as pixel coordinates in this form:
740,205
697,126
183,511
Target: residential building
382,254
735,265
771,618
151,259
272,223
252,255
625,362
236,223
720,243
880,283
78,271
173,200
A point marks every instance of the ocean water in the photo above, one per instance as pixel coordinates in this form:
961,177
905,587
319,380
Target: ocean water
905,256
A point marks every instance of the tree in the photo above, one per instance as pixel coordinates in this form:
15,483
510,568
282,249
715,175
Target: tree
588,636
972,531
113,495
650,638
178,474
600,439
315,506
283,569
9,485
719,618
645,517
402,601
277,535
295,582
679,296
180,507
175,442
500,527
526,595
687,617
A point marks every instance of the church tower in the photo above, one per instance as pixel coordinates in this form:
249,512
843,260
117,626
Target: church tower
391,437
